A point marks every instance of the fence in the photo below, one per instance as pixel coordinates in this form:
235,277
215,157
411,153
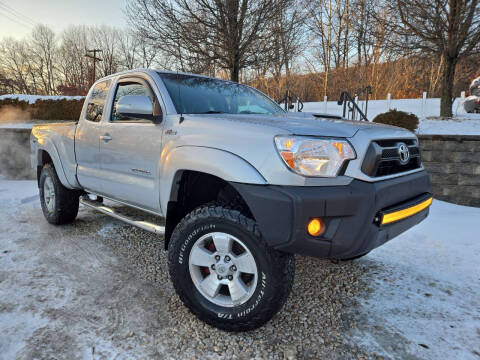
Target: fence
424,107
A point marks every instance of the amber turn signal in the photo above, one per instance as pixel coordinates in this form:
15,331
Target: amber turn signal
288,157
315,227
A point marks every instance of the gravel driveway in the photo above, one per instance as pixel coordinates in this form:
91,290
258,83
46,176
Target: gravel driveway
98,289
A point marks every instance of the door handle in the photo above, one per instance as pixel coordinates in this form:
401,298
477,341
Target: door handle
106,137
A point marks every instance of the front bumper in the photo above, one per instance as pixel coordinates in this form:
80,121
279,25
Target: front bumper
352,214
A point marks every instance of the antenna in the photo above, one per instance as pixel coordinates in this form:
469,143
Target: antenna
180,99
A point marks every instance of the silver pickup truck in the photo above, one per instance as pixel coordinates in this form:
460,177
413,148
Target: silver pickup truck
242,185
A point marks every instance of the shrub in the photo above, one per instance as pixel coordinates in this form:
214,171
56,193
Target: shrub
57,109
60,109
398,118
22,105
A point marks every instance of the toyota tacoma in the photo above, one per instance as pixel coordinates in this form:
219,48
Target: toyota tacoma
242,184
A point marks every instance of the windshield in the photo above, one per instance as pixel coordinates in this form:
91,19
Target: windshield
199,95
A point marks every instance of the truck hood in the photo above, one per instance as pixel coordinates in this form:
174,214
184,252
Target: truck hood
299,123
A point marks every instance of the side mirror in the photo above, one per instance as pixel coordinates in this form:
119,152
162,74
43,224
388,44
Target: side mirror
135,106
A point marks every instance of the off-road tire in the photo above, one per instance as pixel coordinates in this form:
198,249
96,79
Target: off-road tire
275,269
65,208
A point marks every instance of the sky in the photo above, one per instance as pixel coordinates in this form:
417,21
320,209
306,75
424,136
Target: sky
18,17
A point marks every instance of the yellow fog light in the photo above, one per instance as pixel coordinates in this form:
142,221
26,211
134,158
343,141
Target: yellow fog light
315,227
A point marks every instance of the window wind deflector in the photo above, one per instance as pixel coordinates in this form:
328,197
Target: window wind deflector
249,112
211,112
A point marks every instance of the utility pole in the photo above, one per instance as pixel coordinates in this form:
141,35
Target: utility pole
95,59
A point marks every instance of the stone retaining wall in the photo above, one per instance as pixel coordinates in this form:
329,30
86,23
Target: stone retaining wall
453,162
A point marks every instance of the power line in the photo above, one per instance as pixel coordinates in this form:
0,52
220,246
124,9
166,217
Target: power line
16,21
17,14
13,17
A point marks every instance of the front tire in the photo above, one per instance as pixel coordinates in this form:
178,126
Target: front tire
59,204
224,272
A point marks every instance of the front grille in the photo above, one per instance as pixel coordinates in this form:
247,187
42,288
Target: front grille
389,167
392,153
383,158
393,142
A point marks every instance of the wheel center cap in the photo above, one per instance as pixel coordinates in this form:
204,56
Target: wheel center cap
221,269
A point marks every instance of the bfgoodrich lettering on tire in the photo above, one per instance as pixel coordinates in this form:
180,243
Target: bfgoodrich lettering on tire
224,272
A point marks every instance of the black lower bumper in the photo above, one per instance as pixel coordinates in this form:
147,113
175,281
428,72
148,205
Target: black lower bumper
349,213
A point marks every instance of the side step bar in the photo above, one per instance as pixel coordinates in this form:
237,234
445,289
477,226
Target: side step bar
145,225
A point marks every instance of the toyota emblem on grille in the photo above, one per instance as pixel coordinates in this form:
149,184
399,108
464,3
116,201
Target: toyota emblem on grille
403,153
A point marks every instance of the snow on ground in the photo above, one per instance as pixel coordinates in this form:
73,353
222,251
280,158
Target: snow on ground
17,192
426,297
462,124
375,107
65,294
32,98
16,126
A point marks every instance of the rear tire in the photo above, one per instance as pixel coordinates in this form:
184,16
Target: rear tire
248,282
59,204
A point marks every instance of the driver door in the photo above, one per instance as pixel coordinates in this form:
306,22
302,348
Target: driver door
130,151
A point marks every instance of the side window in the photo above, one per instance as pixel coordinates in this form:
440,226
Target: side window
129,88
96,102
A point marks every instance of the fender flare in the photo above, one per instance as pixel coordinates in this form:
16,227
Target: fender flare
52,151
213,161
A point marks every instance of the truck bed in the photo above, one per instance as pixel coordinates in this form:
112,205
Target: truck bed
58,139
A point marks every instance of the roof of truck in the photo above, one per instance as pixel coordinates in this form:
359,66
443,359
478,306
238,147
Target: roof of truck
151,71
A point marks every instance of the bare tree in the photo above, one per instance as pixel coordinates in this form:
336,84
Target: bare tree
148,55
287,42
128,47
206,33
49,64
107,39
320,25
287,36
402,47
44,52
332,27
72,64
448,30
16,64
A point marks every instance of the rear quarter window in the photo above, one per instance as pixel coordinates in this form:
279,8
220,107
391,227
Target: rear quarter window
96,101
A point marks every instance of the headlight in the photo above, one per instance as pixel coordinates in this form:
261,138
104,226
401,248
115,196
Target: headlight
310,156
